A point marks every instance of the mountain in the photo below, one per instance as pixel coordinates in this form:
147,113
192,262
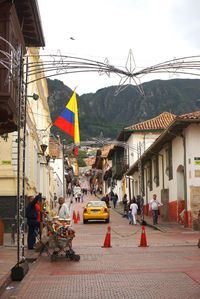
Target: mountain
104,112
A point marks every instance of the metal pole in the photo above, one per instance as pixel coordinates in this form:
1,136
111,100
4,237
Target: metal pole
18,159
24,164
63,170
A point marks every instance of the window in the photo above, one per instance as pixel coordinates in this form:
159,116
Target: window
169,170
156,170
149,175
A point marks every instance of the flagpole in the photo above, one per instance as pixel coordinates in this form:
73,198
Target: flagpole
63,170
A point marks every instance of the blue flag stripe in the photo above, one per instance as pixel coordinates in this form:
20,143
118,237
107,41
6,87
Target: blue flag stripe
68,115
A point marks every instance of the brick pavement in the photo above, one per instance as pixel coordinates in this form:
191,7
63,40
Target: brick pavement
168,268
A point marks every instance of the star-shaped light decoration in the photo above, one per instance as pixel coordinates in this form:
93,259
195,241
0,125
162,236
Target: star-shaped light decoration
101,141
130,67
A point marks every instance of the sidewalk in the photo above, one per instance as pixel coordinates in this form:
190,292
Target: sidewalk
163,226
8,259
8,256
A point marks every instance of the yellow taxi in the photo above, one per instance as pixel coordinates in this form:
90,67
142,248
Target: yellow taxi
96,210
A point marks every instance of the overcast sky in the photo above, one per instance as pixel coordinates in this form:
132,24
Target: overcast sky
155,30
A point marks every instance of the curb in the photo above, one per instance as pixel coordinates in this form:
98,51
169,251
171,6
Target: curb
147,224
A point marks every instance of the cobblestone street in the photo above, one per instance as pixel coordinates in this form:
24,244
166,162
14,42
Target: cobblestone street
168,268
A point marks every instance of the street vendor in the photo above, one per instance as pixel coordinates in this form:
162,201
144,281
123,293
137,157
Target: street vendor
63,210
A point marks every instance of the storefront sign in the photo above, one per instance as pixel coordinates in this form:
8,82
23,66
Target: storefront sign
6,162
197,160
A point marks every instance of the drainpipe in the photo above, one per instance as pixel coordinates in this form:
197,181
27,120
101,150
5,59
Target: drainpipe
185,182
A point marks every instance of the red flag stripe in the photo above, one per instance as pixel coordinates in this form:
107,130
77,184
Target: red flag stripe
64,125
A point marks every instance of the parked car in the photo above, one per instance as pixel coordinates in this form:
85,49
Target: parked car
96,210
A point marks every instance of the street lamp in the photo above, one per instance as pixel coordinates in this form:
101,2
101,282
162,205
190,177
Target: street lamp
43,148
35,96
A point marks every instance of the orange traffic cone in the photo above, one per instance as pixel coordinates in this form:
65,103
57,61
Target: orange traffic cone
78,216
143,241
107,239
74,217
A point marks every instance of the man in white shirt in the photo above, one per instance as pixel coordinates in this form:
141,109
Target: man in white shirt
154,207
134,208
77,193
63,210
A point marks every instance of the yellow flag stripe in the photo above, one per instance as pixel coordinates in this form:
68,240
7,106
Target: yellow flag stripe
72,105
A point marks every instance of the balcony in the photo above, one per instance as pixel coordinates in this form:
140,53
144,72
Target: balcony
9,72
20,26
8,103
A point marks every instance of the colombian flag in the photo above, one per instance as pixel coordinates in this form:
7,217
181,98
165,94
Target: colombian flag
68,120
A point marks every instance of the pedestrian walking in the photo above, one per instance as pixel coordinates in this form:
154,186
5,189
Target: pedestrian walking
77,193
129,214
125,203
154,207
82,196
105,198
114,200
134,208
111,194
63,210
138,204
33,220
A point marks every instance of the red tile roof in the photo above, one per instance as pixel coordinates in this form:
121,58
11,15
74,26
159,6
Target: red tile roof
191,115
90,161
160,122
106,149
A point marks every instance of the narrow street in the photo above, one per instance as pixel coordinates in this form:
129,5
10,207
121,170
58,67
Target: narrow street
168,268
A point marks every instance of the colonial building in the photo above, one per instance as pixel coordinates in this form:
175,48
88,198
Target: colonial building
20,27
99,174
171,169
21,33
132,142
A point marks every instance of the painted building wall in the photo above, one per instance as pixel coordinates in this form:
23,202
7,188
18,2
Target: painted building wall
139,141
37,173
192,135
166,184
8,169
178,200
118,190
38,124
57,167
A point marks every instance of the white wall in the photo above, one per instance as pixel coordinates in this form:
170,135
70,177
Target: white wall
192,135
136,140
57,166
118,189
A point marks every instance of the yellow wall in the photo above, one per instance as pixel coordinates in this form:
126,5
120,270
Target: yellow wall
8,184
37,176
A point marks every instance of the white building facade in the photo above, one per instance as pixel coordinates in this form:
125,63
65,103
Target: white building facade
171,169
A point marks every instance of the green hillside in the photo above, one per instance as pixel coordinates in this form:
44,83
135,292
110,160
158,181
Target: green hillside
104,112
